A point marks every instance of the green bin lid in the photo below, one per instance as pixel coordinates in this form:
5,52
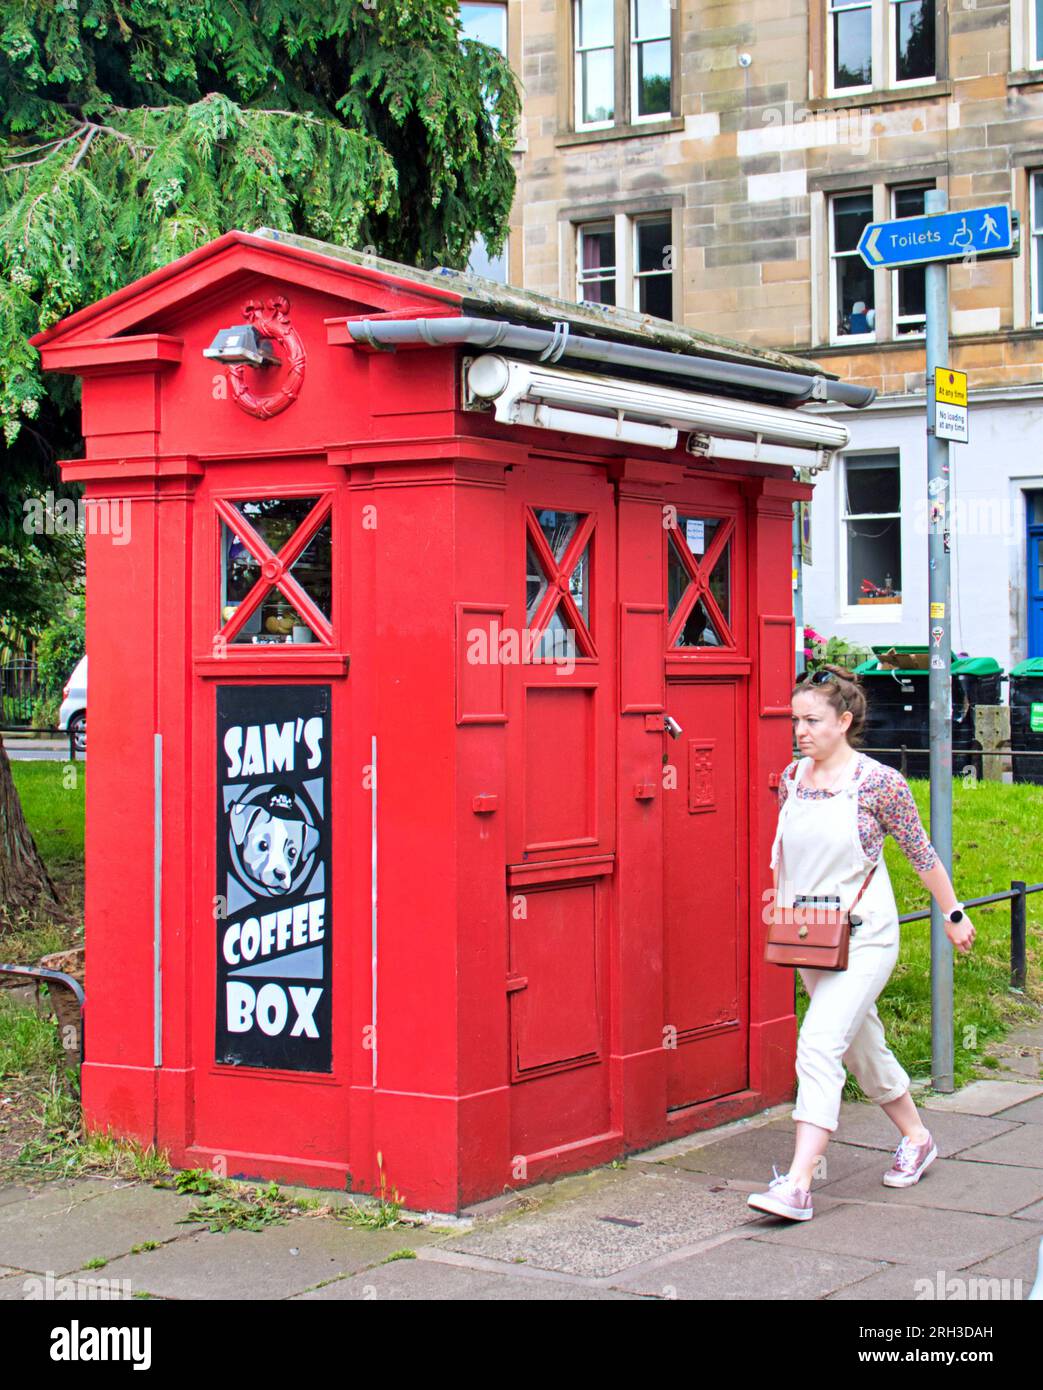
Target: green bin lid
1032,667
977,666
960,666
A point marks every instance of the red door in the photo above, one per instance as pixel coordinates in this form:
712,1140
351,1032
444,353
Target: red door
705,831
561,550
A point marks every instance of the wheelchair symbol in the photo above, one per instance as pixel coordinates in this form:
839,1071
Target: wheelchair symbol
963,237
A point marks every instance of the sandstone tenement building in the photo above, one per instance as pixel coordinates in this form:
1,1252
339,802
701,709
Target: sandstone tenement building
715,163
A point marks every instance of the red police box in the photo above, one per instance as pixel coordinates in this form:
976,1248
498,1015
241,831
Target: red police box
439,678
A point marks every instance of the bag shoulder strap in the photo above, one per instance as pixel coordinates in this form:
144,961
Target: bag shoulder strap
865,885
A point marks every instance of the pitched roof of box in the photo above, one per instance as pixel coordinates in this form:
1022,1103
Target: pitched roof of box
482,296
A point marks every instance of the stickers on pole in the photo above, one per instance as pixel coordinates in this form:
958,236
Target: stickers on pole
274,983
950,405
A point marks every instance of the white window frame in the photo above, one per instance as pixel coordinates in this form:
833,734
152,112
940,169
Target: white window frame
635,44
883,57
1034,50
892,51
895,276
625,267
577,72
867,612
834,7
834,256
1035,247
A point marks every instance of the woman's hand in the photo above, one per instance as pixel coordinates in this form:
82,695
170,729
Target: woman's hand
961,934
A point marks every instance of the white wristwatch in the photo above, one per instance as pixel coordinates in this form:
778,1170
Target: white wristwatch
955,915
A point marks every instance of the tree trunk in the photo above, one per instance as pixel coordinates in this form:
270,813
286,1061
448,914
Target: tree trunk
24,881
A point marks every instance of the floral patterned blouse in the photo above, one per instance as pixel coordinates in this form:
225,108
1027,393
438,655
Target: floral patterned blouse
885,806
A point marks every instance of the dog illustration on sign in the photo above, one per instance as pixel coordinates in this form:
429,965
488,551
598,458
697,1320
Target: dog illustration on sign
273,836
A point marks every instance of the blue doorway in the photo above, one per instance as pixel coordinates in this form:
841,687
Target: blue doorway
1034,559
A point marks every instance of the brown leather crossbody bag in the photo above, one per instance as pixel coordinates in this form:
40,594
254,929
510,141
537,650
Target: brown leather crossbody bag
811,934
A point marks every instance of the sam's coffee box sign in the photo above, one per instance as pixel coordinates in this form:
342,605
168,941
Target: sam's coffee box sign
274,1004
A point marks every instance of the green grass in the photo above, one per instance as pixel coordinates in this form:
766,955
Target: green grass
997,837
52,799
28,1043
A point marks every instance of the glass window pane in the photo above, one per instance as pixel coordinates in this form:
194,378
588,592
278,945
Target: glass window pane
697,533
579,586
653,78
651,18
313,571
653,245
909,202
914,39
482,264
656,295
598,248
1039,31
275,623
852,48
720,582
699,629
873,485
594,22
850,217
486,23
276,518
855,307
239,571
559,528
557,641
874,560
597,78
535,582
912,300
677,578
599,291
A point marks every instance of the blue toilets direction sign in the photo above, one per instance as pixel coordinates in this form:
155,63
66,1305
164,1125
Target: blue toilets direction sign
940,236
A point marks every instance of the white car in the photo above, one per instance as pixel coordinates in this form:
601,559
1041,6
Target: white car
72,717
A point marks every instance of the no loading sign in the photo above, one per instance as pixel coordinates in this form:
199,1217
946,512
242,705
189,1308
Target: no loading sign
273,925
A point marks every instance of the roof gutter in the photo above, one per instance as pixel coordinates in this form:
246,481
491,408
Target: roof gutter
560,341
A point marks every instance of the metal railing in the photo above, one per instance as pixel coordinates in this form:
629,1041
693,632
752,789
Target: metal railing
41,974
1018,897
905,750
19,689
20,731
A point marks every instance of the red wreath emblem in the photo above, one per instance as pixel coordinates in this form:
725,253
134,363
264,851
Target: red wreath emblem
272,320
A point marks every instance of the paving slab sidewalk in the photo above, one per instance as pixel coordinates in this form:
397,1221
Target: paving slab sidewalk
670,1222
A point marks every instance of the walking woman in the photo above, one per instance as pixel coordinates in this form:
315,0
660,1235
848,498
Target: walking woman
835,806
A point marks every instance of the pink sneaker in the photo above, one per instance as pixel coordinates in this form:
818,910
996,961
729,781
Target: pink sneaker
909,1162
783,1198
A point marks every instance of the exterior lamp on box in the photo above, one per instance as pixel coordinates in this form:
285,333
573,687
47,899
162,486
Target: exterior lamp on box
242,344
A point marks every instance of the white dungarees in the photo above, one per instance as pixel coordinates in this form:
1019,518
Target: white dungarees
822,853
